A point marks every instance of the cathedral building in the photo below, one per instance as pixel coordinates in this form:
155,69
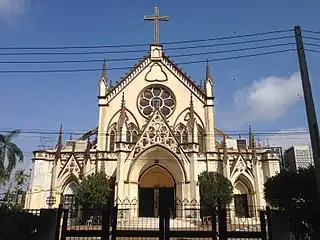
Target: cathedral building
156,133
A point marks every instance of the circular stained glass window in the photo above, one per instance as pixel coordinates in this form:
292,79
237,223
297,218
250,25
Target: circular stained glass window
158,97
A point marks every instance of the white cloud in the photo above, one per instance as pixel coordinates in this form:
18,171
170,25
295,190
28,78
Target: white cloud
267,99
288,138
9,9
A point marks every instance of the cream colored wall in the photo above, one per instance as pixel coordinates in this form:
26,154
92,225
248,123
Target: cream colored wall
131,92
40,185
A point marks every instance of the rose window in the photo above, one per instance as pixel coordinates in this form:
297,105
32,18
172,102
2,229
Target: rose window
158,97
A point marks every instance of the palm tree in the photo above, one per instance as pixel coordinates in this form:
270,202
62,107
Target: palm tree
21,177
11,152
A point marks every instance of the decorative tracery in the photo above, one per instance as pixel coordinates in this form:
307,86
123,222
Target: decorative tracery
181,133
132,133
112,137
156,96
157,132
201,140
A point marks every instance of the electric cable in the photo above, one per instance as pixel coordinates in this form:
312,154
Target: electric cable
136,59
145,44
128,68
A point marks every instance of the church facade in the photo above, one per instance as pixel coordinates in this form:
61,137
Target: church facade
156,133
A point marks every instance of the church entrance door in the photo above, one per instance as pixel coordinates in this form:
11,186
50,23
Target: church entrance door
156,192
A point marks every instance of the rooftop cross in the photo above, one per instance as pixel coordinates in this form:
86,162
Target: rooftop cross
156,18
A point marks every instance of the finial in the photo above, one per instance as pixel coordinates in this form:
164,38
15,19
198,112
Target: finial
123,102
70,138
254,151
225,149
104,68
250,137
73,146
208,74
200,84
59,144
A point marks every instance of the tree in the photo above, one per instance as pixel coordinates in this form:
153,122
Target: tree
94,190
214,187
11,152
21,177
296,194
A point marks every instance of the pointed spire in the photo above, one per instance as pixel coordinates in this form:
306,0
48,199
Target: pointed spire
191,105
250,137
59,145
104,73
225,149
104,69
123,102
73,146
208,72
123,115
86,158
192,114
254,150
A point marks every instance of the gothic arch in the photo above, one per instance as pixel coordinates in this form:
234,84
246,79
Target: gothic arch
170,181
132,133
201,139
111,137
244,196
245,178
67,179
70,188
181,133
130,115
180,119
157,154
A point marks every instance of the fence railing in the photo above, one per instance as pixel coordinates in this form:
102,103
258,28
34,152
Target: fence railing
184,220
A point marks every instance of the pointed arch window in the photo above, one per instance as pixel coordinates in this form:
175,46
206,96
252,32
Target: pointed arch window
181,134
132,133
184,137
112,141
201,140
178,137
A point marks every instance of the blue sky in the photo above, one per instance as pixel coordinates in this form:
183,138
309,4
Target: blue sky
262,91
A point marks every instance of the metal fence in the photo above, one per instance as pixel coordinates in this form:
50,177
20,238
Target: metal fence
186,220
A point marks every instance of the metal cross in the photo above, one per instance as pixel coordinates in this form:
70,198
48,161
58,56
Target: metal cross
156,18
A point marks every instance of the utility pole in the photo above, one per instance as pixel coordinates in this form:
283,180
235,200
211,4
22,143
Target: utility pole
310,109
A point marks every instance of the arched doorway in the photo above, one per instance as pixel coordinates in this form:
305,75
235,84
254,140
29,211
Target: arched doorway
68,198
156,191
243,197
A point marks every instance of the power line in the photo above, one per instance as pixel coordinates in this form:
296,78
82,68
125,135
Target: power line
135,59
127,68
311,38
312,50
144,44
311,31
143,50
312,44
230,133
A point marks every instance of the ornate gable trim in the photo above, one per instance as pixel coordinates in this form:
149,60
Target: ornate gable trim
138,68
157,132
71,165
240,166
186,80
128,78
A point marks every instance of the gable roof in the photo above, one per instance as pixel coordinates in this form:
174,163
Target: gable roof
142,64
